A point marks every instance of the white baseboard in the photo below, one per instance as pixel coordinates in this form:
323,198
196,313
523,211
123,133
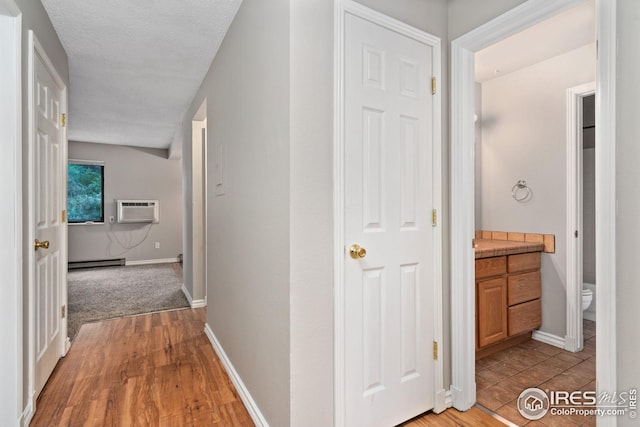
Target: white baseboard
28,413
152,261
194,303
67,345
443,401
548,338
257,417
198,303
589,315
448,399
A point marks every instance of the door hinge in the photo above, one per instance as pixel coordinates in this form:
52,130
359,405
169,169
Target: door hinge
576,234
63,120
435,350
434,217
473,243
63,311
433,85
63,215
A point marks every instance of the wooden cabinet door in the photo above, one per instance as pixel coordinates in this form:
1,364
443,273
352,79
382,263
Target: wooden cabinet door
492,311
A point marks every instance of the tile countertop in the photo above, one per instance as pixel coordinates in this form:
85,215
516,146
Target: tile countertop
489,248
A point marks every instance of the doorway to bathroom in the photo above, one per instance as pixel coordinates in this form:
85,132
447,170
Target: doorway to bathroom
521,175
581,221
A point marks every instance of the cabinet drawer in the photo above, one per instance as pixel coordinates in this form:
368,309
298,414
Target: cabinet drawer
523,287
489,267
524,262
524,317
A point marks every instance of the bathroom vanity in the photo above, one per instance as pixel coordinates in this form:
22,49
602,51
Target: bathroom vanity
508,292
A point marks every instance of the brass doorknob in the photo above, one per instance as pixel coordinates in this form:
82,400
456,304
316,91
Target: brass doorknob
44,245
357,251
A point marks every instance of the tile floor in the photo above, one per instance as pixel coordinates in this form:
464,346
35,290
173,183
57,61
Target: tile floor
501,377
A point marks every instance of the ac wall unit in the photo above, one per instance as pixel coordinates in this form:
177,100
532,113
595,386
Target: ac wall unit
138,211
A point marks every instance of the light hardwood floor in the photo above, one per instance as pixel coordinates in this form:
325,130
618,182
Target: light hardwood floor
151,370
160,370
474,417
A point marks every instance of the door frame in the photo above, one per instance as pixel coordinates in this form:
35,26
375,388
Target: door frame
11,132
35,48
573,340
462,189
341,8
199,135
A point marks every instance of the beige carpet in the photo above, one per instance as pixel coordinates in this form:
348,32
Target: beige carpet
105,293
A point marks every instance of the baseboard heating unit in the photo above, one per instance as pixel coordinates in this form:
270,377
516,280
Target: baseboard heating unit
75,265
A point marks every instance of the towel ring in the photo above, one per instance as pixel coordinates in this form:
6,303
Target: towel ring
521,192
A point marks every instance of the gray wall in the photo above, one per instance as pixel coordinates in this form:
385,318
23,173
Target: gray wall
34,18
477,135
589,192
524,137
628,229
311,213
589,215
10,219
131,173
247,92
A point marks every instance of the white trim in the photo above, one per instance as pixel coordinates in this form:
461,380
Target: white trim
606,347
342,7
205,178
573,338
36,48
463,183
438,315
339,372
548,338
11,133
151,261
28,413
198,202
198,303
245,396
448,399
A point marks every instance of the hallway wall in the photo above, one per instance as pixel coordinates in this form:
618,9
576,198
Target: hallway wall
247,92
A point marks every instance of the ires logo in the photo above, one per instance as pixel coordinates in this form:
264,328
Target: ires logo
575,398
534,403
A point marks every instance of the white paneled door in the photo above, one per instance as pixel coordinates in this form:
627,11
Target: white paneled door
48,204
388,167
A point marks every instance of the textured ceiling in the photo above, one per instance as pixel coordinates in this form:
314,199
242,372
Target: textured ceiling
560,34
136,65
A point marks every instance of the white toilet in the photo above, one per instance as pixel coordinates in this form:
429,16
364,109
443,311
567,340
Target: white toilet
587,298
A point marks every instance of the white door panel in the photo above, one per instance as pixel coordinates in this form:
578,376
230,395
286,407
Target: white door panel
388,201
48,200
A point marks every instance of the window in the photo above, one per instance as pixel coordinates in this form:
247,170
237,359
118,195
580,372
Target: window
85,191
